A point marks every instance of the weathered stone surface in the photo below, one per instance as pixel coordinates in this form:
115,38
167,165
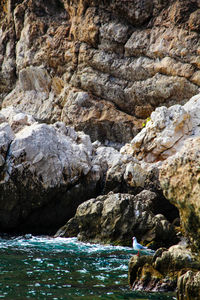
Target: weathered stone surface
6,137
98,118
188,287
165,132
16,118
179,179
115,218
124,58
170,142
161,271
33,78
125,174
51,169
46,171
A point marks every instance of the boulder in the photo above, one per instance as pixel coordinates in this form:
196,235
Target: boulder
161,271
165,133
50,168
46,171
116,218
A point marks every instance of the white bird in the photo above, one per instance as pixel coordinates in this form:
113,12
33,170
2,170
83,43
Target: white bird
137,246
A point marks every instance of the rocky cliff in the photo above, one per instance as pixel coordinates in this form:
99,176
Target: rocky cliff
101,66
47,170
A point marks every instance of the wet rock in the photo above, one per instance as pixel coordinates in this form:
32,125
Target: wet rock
161,271
115,218
188,287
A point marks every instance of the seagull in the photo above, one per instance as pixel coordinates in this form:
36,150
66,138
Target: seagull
137,246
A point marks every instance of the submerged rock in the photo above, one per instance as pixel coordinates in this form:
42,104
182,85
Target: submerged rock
115,218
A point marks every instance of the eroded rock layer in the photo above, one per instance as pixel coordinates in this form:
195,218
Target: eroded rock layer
101,66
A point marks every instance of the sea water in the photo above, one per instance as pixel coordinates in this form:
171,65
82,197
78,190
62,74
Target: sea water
63,268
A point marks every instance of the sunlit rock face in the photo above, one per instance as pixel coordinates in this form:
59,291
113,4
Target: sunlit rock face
46,171
180,182
101,66
170,141
165,132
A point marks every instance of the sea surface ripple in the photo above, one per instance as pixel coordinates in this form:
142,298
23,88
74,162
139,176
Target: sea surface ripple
64,268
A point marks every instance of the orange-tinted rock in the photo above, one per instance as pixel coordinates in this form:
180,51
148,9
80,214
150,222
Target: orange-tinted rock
132,56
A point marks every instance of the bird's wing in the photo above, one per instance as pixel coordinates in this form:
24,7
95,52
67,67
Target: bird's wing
139,246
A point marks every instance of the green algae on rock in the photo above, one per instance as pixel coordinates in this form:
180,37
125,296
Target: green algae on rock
188,287
161,271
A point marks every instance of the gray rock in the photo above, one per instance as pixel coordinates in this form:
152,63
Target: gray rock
115,218
6,137
165,132
46,172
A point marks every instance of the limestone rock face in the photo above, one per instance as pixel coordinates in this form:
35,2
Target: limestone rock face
6,137
51,169
165,132
46,171
115,218
179,179
170,141
161,271
100,66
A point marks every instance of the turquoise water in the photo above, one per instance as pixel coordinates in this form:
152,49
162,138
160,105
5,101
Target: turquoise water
46,268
